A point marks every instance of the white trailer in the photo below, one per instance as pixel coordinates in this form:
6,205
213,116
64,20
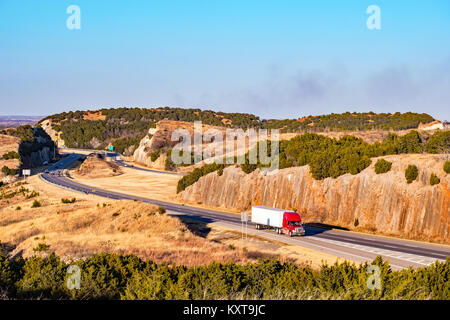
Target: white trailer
266,216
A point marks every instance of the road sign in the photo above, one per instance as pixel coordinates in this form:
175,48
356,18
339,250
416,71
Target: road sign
244,224
26,172
111,148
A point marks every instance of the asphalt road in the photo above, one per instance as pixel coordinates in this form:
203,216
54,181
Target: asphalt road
350,245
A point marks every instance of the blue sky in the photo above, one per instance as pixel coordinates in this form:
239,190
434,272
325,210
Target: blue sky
276,59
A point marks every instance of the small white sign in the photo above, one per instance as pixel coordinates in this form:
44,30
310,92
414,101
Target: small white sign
244,216
26,172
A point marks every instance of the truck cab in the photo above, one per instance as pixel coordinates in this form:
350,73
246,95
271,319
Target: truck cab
280,220
292,224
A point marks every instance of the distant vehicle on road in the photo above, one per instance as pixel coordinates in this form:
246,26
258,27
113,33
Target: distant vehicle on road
45,163
283,221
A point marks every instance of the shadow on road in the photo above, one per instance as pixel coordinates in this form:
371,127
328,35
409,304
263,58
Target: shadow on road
313,228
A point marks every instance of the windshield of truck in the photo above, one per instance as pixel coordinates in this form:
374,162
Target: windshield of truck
295,223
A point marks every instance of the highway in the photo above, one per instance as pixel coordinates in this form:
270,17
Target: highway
349,245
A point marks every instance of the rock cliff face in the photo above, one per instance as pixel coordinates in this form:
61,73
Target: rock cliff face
146,146
54,135
35,153
384,203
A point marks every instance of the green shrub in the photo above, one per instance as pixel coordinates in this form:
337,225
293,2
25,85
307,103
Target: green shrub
11,155
411,173
9,171
43,277
439,142
64,200
18,208
161,210
196,174
434,179
382,166
169,165
155,155
32,195
447,166
36,204
42,247
356,222
9,275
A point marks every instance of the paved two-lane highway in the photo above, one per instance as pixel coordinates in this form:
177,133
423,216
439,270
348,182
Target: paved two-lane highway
354,246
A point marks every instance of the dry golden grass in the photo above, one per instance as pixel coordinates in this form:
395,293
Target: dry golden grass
90,226
94,225
7,144
151,185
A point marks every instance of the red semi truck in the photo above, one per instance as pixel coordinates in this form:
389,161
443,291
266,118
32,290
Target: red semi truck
281,220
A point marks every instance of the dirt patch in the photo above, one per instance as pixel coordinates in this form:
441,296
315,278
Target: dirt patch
94,116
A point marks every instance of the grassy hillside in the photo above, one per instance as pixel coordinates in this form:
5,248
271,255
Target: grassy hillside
125,127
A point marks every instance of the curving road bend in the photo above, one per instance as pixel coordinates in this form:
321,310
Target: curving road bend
349,245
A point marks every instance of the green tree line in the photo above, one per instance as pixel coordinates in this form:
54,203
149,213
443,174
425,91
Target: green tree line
351,122
112,276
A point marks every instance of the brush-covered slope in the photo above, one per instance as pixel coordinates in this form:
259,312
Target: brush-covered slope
125,127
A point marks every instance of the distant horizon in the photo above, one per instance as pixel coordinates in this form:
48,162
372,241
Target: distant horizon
277,59
20,117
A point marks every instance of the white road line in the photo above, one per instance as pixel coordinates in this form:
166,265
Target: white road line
393,254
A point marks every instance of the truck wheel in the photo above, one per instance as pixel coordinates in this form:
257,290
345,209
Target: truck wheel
290,234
